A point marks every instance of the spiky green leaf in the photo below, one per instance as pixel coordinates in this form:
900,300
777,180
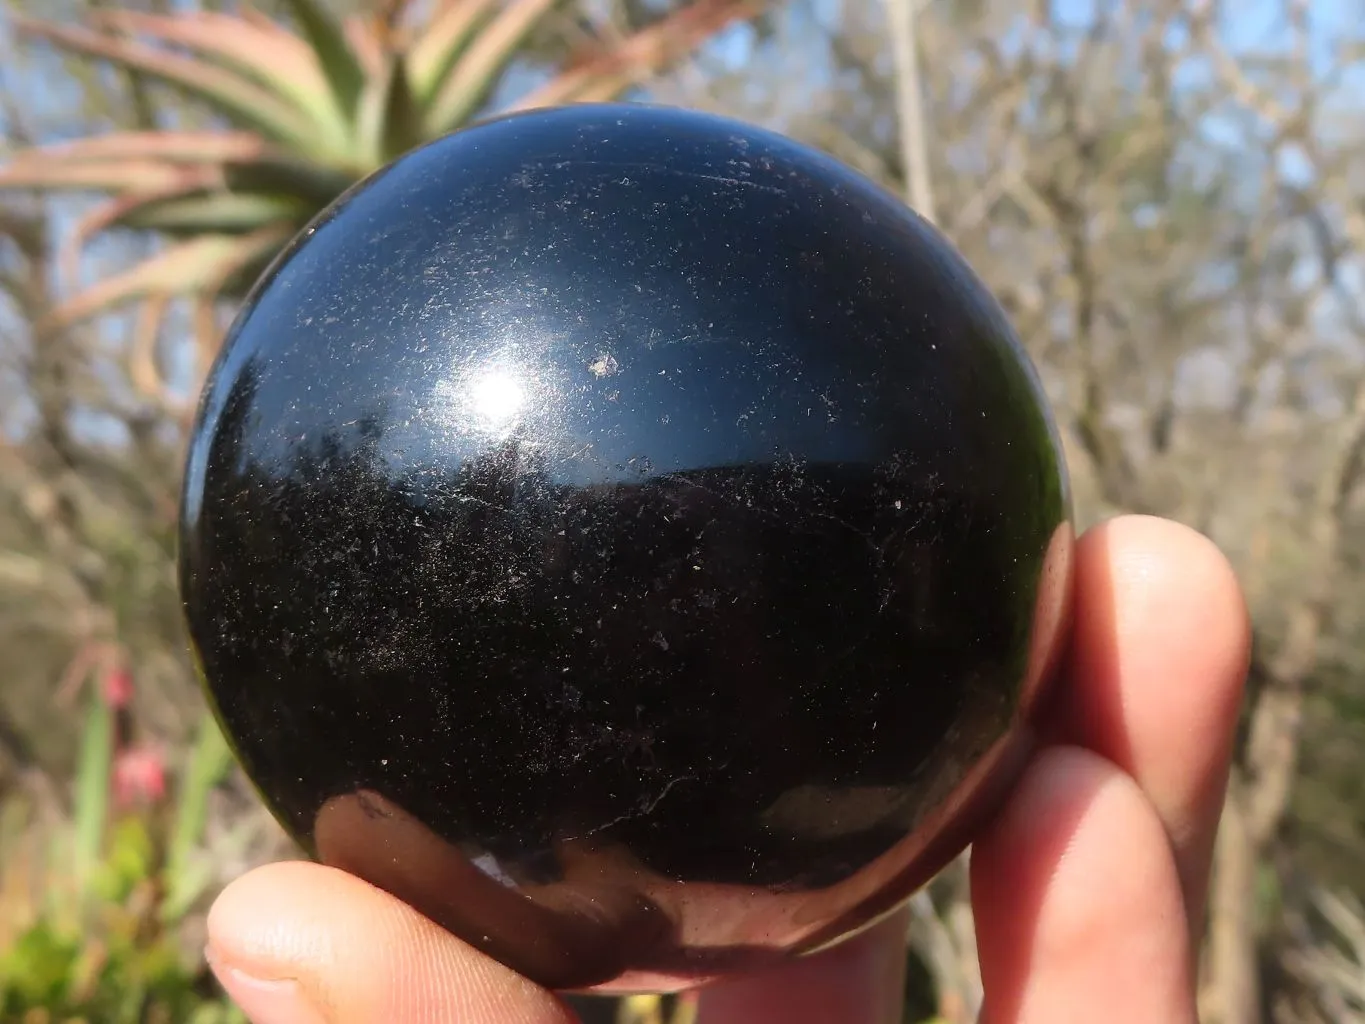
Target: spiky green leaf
200,264
345,77
441,42
111,214
179,146
209,762
390,121
273,58
216,213
102,176
470,83
93,777
181,213
242,100
368,43
643,54
144,366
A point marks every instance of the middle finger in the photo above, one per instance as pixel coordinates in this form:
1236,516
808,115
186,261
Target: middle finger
1158,661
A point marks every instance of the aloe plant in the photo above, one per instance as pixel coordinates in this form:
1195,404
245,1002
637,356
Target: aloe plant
307,112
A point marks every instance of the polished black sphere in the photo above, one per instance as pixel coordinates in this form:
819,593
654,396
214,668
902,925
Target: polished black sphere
630,537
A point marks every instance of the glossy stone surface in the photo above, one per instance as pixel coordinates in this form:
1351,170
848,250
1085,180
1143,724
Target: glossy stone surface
632,538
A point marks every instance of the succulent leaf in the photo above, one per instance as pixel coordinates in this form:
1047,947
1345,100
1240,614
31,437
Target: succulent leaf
179,146
390,121
199,264
367,44
247,103
144,369
471,81
215,213
441,42
280,62
130,175
344,74
645,53
180,212
117,211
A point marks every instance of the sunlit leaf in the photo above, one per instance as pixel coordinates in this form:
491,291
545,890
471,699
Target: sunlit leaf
115,212
181,146
204,317
598,88
216,213
209,762
246,102
369,47
92,786
144,368
113,176
641,55
471,81
390,122
439,45
276,59
345,76
199,264
179,212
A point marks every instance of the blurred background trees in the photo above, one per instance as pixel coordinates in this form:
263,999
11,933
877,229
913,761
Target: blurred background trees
1167,196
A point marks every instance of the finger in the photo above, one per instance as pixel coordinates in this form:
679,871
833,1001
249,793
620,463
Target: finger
860,981
1078,904
298,943
1158,662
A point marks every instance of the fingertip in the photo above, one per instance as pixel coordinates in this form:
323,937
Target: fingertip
259,924
1134,562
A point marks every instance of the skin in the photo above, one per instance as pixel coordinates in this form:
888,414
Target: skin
1087,889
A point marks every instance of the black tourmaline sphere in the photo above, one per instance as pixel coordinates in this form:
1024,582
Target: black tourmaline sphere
630,537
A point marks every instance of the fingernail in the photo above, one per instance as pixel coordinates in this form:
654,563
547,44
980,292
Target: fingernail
265,1001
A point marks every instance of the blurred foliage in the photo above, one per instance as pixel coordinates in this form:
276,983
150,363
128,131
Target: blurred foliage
1168,198
91,903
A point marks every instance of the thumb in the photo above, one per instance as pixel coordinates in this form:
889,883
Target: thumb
298,943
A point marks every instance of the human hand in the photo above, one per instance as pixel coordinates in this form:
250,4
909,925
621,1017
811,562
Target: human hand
1088,888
